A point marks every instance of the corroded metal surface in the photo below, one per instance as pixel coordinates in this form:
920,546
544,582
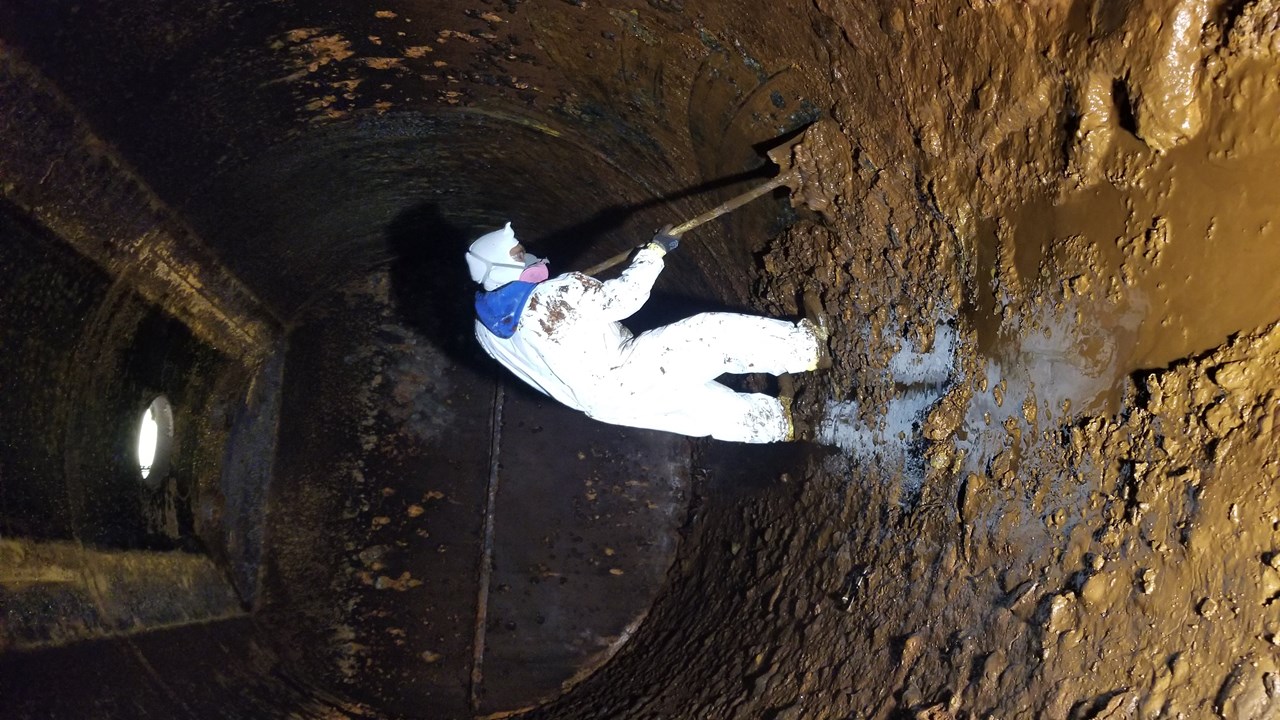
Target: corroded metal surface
381,498
587,521
373,533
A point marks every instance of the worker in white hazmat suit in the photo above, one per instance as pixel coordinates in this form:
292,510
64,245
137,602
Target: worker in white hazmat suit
563,336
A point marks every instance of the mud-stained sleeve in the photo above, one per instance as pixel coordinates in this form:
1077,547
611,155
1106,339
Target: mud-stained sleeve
621,297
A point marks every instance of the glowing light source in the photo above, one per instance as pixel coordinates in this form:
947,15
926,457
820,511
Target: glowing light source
147,441
155,439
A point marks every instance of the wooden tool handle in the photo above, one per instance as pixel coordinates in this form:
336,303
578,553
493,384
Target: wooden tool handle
729,205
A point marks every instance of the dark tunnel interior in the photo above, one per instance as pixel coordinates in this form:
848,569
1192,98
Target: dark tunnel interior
258,213
1046,244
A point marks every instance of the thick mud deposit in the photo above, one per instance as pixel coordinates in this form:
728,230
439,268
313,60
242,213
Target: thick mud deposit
1044,480
1050,485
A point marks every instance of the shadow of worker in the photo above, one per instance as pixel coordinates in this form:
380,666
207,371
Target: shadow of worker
433,292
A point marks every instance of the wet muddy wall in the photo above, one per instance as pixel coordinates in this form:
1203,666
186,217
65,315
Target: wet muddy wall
1042,481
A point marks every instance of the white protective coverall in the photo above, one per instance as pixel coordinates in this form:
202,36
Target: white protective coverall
563,337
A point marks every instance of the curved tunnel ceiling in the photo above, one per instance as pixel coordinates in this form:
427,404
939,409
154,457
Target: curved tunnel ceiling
1043,482
299,132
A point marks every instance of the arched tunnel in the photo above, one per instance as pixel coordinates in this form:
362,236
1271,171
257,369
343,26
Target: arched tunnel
1042,482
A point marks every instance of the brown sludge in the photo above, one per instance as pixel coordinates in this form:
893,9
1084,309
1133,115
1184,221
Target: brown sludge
1096,527
823,166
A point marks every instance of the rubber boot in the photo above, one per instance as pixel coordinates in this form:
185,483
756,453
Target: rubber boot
797,429
816,317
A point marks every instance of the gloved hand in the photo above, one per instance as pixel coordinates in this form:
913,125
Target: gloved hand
665,240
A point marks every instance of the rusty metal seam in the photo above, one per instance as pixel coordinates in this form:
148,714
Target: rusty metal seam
486,551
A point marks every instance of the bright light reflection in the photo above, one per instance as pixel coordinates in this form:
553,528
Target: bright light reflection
147,441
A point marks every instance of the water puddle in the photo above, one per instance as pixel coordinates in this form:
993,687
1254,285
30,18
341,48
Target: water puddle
895,442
